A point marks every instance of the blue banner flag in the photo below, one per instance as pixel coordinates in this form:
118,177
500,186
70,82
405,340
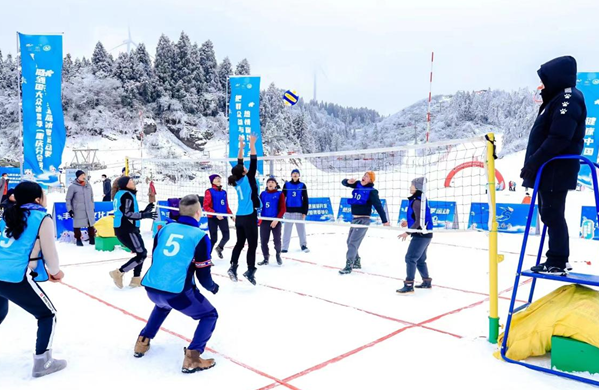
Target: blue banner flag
588,84
444,214
63,221
589,229
320,209
511,218
244,117
44,135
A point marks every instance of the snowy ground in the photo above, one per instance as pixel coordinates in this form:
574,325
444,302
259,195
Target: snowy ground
303,327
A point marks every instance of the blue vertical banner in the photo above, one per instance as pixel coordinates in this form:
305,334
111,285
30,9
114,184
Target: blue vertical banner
588,84
44,135
244,116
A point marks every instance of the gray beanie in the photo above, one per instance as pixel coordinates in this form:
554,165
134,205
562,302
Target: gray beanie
419,183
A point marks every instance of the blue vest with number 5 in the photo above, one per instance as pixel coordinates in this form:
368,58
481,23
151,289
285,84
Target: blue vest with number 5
219,200
174,252
15,254
360,195
270,203
294,194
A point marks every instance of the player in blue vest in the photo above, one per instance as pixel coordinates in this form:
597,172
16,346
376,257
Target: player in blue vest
416,255
27,256
181,250
248,201
364,198
273,206
127,217
215,201
298,203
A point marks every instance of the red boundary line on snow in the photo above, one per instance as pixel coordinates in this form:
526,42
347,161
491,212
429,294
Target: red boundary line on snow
128,313
380,340
353,307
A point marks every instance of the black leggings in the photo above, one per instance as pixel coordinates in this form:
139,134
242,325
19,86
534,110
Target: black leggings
247,229
213,225
30,297
135,244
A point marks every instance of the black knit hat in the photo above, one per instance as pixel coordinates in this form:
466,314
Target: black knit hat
79,173
123,181
272,178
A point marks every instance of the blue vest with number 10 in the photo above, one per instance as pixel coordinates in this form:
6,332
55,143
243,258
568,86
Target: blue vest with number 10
270,203
219,200
118,214
428,219
360,195
294,194
172,257
15,254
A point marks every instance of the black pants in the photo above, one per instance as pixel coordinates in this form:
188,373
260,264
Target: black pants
552,207
247,229
91,232
213,225
133,242
30,297
265,230
106,198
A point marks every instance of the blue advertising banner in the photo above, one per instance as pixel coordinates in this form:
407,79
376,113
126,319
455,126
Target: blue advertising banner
444,214
511,218
588,84
321,210
344,212
14,176
63,221
589,229
244,116
163,215
44,135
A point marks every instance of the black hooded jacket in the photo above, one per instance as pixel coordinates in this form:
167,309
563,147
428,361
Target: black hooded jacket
559,128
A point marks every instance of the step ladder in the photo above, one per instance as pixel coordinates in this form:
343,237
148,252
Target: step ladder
589,280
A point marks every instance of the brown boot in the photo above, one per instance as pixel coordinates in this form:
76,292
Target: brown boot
135,281
142,345
117,277
193,362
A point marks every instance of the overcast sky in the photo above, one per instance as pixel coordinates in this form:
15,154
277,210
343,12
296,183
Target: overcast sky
368,53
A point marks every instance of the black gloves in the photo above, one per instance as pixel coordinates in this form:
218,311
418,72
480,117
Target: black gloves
71,213
528,173
215,289
149,215
148,208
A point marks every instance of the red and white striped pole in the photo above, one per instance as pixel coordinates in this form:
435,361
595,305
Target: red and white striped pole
430,96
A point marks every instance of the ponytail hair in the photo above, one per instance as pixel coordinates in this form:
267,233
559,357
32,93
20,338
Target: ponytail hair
236,174
16,217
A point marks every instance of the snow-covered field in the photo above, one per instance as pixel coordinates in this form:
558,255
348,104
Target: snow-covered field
303,326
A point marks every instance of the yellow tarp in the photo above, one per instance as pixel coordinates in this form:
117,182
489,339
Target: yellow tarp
570,311
105,227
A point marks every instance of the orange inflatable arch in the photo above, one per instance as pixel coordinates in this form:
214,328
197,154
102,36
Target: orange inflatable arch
473,164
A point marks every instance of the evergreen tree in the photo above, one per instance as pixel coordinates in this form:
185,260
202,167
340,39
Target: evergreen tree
67,67
144,75
101,61
163,66
243,68
225,69
209,67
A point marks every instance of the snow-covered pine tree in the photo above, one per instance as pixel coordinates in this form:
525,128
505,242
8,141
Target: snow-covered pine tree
209,67
101,61
243,67
144,75
164,66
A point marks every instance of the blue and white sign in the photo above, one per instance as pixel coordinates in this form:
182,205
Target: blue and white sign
14,176
344,212
588,84
511,218
443,213
63,221
244,117
44,134
163,215
589,229
321,210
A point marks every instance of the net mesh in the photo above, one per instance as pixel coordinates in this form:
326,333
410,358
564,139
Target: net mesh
455,175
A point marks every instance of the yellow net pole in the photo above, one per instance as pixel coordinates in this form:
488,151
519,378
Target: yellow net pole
493,255
126,166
